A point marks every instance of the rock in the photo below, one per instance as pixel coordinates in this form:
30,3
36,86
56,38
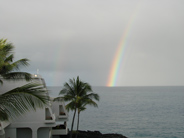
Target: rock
113,136
96,134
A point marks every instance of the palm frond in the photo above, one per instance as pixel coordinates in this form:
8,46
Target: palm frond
22,62
93,96
22,99
67,90
7,66
6,47
71,106
9,58
17,76
91,103
81,109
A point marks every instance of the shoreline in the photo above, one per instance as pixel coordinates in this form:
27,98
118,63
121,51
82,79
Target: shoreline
96,134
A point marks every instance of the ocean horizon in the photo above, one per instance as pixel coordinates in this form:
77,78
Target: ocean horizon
134,111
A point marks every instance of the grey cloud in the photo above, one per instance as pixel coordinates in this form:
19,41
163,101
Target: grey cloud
64,39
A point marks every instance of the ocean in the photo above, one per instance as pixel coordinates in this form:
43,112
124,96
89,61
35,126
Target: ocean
135,112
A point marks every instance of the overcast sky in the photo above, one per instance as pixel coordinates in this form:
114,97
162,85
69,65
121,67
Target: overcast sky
69,38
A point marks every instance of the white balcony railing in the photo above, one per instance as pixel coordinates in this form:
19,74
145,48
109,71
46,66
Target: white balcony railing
60,130
63,115
62,112
4,124
49,116
50,119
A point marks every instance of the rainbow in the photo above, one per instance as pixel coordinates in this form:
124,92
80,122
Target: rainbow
118,58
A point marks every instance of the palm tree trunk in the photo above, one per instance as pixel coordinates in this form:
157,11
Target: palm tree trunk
77,124
72,123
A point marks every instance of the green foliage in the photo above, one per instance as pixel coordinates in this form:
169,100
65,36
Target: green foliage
78,94
9,69
22,99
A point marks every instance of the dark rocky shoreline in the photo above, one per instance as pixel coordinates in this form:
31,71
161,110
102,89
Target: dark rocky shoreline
96,134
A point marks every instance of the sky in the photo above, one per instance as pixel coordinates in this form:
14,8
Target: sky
68,38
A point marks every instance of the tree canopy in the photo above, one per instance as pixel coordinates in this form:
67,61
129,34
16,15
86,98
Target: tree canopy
78,94
21,99
10,69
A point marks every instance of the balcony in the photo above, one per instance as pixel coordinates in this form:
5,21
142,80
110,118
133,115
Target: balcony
4,124
60,130
49,117
62,112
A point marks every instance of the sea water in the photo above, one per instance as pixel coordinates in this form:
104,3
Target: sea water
136,112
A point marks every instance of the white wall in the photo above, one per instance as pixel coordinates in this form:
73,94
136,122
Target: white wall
31,116
9,85
55,108
26,126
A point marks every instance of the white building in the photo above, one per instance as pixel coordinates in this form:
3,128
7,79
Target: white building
50,122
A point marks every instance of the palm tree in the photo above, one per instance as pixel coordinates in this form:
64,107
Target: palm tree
75,92
22,99
8,68
84,101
